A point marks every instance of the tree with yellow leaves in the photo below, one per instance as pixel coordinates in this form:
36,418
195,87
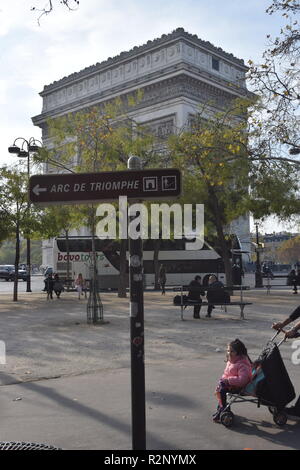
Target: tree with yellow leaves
97,139
214,164
226,168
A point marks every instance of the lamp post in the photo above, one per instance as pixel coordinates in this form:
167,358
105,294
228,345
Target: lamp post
295,149
258,275
27,147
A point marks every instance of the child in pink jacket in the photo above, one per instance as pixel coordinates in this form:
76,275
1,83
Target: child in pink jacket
237,374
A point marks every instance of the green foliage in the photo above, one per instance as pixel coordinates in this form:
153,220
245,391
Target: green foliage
5,226
20,217
226,168
275,190
8,250
57,220
14,206
213,161
99,138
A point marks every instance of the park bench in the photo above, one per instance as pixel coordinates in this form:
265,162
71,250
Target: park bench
70,286
186,303
269,286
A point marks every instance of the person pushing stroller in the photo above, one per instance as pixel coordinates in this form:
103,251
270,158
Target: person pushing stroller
292,333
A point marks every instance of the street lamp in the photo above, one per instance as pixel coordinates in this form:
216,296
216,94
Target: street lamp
27,147
295,149
258,275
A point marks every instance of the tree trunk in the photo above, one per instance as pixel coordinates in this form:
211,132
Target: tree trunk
156,247
95,286
68,258
221,237
123,269
17,260
94,255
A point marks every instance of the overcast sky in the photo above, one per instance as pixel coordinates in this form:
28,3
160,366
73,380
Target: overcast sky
33,55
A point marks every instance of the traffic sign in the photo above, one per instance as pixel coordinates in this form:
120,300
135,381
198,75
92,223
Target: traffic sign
76,188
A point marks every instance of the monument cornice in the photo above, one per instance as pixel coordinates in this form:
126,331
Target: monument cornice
71,97
183,82
150,46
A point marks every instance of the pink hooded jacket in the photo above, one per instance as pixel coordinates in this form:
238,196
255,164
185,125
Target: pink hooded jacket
238,372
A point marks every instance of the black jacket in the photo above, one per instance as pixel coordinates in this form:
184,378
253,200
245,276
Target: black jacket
49,283
195,290
217,293
295,314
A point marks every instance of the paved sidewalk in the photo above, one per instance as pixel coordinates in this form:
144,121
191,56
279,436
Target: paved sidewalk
87,405
92,411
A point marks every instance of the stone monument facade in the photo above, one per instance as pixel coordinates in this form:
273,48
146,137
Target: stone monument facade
177,72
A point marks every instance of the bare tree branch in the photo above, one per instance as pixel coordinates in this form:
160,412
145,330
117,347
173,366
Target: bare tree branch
49,7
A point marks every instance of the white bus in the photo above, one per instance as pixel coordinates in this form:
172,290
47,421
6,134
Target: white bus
181,265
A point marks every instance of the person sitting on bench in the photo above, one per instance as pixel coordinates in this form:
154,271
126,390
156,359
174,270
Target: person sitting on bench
195,291
215,293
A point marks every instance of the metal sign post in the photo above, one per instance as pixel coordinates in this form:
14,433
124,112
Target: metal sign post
136,286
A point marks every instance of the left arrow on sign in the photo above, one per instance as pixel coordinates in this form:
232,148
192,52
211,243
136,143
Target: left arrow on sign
37,190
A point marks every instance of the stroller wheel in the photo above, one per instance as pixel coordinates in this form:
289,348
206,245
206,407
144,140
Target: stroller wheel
227,419
272,409
280,418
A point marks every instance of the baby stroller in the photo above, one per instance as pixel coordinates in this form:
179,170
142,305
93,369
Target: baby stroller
270,386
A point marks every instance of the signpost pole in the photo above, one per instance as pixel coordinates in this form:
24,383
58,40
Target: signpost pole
136,286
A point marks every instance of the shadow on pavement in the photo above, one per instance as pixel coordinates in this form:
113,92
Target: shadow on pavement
288,436
92,413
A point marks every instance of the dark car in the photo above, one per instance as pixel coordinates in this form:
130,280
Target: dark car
7,272
22,274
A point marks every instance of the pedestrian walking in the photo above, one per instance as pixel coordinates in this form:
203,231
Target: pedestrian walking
80,286
236,274
293,279
162,278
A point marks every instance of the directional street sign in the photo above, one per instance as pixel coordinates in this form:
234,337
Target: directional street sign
76,188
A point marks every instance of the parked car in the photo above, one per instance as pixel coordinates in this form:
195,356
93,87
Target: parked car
7,272
22,274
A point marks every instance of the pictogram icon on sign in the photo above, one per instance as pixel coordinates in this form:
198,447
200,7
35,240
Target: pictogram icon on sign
150,183
168,183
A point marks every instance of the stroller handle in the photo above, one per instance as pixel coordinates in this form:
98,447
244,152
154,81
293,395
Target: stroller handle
284,339
277,333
